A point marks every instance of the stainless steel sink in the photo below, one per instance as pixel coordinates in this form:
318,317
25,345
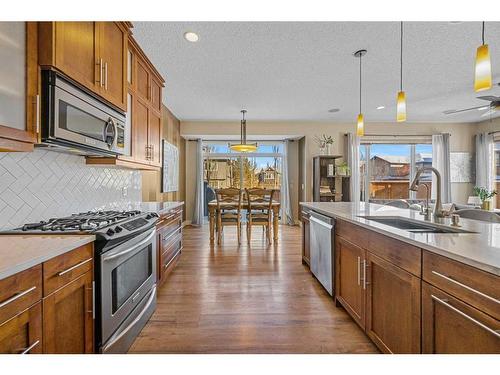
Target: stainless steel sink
413,226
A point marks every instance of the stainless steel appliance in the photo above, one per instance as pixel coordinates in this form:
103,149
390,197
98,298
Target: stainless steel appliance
75,120
322,249
125,270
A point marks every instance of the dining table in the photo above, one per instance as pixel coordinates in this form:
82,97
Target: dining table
212,210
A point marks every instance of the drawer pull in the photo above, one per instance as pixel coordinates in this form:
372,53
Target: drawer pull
466,287
470,318
27,350
171,260
17,296
62,273
167,237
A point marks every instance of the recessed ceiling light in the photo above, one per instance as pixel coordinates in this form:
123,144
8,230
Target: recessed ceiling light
381,107
191,36
333,110
456,22
483,108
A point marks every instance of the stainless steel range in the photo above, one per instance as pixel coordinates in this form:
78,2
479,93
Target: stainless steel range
125,270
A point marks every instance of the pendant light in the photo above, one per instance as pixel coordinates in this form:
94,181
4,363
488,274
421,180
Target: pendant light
482,78
243,146
360,128
401,103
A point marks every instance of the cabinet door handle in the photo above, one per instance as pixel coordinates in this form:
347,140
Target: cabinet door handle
106,76
152,152
359,271
445,303
100,72
364,274
37,114
16,296
62,273
27,350
93,300
466,287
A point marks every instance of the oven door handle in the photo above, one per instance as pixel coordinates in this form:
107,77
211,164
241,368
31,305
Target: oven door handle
121,253
134,322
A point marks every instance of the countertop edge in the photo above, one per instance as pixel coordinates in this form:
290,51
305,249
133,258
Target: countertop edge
436,250
20,267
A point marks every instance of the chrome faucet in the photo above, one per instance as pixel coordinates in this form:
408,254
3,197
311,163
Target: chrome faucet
438,207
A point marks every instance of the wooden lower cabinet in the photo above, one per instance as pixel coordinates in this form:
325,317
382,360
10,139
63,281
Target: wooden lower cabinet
450,326
392,306
348,286
22,334
68,323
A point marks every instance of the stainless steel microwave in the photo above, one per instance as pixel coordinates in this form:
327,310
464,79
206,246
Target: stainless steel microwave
77,121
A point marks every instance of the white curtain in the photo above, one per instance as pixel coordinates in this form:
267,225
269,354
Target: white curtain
199,193
441,161
484,160
352,147
286,206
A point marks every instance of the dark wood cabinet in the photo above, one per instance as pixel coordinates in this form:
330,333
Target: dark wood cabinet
349,291
327,184
22,334
68,323
169,240
154,138
306,242
392,306
450,326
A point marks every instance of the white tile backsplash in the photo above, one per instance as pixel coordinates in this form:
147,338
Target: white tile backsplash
44,184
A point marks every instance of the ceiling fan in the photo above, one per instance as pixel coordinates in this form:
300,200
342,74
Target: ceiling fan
493,107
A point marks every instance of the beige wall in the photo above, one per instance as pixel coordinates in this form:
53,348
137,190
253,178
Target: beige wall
461,140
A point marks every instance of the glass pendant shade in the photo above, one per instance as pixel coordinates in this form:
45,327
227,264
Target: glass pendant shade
482,78
360,129
244,147
401,107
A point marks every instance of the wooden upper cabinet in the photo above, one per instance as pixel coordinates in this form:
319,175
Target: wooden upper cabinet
19,100
143,80
349,260
156,88
140,150
76,51
154,138
23,333
68,323
392,306
113,38
93,54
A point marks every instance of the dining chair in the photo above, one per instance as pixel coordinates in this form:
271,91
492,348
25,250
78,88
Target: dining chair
228,210
259,210
475,214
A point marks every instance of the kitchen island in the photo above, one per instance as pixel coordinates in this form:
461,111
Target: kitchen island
421,291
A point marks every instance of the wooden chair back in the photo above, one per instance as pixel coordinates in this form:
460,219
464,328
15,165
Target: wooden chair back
259,199
228,199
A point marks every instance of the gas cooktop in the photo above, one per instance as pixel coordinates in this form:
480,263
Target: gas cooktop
106,225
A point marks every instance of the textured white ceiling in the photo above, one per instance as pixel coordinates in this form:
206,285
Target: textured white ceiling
300,70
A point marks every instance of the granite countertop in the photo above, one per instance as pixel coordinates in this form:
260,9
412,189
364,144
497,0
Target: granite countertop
159,207
480,249
20,252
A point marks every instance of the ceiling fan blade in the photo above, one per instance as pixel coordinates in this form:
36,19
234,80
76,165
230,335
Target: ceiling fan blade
452,112
490,98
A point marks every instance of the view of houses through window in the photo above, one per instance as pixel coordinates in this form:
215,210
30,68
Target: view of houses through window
386,170
225,168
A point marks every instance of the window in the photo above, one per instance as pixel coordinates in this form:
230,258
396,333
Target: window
386,170
497,172
225,168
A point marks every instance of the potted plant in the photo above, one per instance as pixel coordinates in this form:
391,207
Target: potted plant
325,144
343,169
485,196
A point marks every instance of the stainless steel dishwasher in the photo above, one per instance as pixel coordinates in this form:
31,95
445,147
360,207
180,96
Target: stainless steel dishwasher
322,249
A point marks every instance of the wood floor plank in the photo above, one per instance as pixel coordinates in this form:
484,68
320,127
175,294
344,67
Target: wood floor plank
255,298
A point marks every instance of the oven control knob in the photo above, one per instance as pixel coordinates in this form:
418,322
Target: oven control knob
118,229
110,232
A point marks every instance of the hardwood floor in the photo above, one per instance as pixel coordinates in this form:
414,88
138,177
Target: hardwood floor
247,299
